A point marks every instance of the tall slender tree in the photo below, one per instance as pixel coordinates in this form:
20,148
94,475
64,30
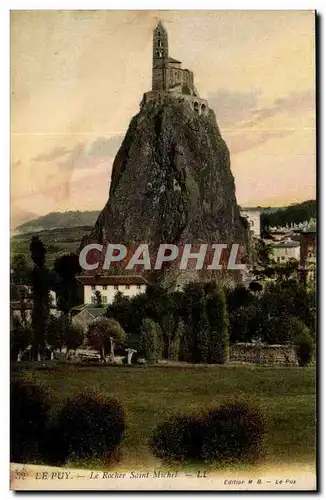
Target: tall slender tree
218,324
40,296
65,270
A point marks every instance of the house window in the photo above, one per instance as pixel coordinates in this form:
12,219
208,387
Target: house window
138,287
116,287
278,259
93,299
283,257
93,287
105,287
127,287
104,299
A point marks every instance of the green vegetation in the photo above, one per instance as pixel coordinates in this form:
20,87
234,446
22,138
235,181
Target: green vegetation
151,395
199,322
304,346
58,242
230,433
41,297
29,410
88,426
150,341
293,214
104,334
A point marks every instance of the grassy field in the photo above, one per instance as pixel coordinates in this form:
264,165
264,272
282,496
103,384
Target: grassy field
152,394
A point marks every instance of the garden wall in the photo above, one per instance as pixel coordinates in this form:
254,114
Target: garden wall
263,354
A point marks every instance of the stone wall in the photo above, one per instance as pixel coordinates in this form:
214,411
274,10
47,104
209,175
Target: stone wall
263,354
196,104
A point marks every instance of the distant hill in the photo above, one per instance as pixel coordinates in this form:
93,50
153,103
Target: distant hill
293,214
58,242
58,220
20,217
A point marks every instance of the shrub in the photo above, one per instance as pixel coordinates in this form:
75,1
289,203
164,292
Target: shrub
87,426
304,347
150,342
29,406
231,433
177,439
282,329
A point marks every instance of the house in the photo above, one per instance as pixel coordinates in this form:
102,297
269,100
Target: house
108,286
252,214
84,314
308,254
20,307
285,250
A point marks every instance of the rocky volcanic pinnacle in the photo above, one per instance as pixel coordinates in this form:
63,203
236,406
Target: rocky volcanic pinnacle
171,182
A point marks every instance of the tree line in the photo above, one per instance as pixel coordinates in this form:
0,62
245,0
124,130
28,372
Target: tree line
195,324
294,214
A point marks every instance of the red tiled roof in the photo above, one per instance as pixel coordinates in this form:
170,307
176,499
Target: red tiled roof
112,280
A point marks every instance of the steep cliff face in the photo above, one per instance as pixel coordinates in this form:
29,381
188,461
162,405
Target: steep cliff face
171,182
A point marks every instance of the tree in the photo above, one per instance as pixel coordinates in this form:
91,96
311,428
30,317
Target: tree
304,347
150,341
255,286
190,309
55,333
238,297
128,311
202,349
21,271
104,334
40,295
288,298
74,337
65,270
218,319
245,323
175,339
20,338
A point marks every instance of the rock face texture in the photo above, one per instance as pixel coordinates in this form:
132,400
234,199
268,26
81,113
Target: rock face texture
171,182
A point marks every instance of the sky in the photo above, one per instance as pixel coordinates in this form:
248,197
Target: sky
77,78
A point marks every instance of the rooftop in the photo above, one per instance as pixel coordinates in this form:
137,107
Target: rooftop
172,60
285,244
90,308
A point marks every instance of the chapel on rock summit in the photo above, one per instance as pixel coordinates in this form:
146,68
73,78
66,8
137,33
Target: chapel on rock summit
169,78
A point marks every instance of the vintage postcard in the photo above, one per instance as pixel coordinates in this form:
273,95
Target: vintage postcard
163,250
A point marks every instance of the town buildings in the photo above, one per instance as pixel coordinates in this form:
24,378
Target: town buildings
108,286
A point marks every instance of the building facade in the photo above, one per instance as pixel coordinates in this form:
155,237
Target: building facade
308,256
108,286
252,214
284,251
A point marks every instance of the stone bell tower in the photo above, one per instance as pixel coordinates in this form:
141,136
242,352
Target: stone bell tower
160,58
